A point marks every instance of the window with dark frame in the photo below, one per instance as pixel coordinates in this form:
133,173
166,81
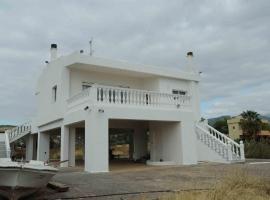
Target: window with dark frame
54,93
86,85
180,92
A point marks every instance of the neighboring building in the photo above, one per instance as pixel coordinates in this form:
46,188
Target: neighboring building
236,132
148,112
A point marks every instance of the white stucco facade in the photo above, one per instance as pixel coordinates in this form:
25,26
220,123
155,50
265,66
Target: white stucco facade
161,106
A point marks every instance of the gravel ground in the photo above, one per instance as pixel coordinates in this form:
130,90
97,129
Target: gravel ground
147,182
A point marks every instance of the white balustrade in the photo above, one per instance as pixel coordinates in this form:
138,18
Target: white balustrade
213,142
18,131
126,96
219,142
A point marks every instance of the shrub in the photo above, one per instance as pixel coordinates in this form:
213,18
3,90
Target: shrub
238,185
257,149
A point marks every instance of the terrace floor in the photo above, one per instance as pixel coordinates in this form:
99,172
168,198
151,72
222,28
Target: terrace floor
139,181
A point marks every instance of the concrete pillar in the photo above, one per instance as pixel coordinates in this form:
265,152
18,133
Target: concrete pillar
188,142
165,142
195,99
242,151
43,150
12,149
229,149
155,144
35,139
96,142
29,141
64,154
140,143
72,144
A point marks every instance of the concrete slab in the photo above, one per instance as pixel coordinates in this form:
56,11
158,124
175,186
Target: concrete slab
149,182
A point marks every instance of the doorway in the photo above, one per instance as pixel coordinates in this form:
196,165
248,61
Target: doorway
121,144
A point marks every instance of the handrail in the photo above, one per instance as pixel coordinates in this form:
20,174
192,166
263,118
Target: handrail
84,93
235,150
213,137
117,95
223,135
18,130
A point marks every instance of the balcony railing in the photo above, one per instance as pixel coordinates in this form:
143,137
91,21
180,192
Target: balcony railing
99,94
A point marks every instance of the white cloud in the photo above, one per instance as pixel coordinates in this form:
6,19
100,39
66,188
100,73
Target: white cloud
230,40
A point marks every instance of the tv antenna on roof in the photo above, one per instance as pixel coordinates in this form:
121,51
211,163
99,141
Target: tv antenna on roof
91,47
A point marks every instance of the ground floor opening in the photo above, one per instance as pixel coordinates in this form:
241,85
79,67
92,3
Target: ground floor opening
114,144
128,143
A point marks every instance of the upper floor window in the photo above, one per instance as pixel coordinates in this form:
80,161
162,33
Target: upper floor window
54,93
86,85
180,92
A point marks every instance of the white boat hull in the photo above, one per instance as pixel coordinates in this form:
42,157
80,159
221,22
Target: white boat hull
19,180
18,177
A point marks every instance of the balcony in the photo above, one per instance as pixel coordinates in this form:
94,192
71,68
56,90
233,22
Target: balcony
117,96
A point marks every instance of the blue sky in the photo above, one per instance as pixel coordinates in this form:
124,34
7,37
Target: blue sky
229,38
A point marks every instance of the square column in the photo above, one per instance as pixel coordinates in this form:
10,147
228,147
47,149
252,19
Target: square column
64,154
140,143
72,144
29,141
43,150
165,142
96,142
195,99
188,143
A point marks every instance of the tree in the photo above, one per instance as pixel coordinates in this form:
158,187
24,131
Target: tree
221,125
251,124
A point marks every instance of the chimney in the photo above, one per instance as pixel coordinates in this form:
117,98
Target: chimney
190,62
190,54
53,52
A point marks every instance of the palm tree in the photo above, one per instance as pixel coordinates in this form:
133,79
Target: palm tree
251,124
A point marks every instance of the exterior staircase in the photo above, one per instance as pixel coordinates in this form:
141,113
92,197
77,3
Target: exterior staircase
217,147
18,132
4,146
2,149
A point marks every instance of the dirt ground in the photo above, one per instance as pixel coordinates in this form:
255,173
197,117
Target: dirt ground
138,181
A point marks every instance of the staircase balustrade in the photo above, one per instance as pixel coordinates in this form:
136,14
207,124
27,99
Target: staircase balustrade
220,143
18,131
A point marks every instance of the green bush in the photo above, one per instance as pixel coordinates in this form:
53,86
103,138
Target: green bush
257,149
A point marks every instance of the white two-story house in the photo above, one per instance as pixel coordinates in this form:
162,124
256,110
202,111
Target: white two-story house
158,107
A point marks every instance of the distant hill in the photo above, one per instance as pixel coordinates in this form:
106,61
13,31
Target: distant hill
3,128
212,121
266,117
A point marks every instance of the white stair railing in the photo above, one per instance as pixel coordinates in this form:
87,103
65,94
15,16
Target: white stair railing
219,142
19,131
212,142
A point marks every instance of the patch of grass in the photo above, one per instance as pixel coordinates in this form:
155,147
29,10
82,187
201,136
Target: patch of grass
79,154
235,186
254,149
55,154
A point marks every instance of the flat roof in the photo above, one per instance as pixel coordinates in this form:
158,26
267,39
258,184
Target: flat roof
87,62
